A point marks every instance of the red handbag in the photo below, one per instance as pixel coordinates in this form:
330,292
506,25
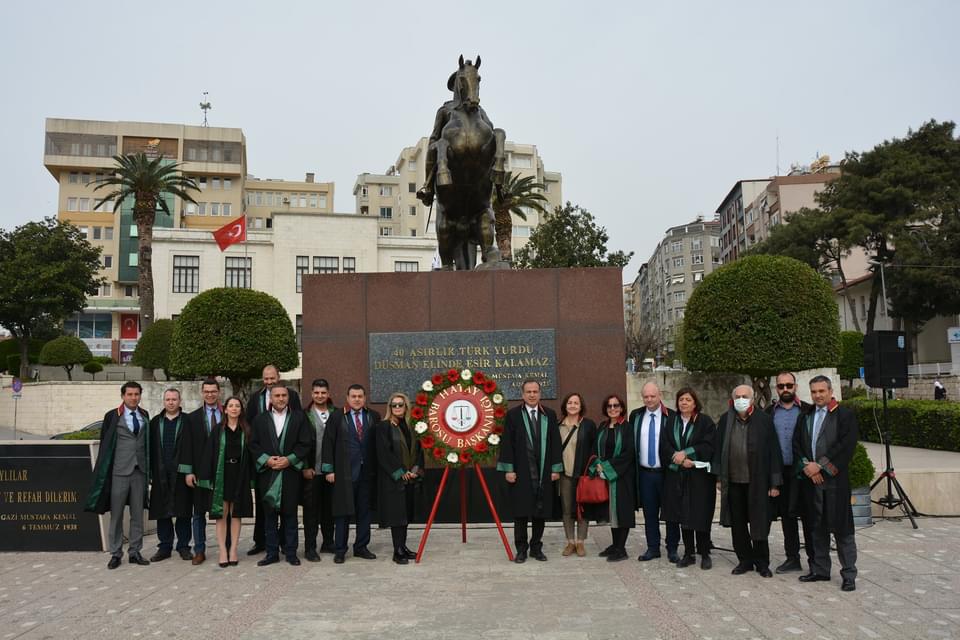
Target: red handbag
591,490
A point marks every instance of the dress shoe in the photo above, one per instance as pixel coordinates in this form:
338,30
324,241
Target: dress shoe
649,555
224,565
617,555
233,563
198,559
268,560
790,564
606,552
581,551
741,569
673,557
400,558
114,562
849,584
686,561
327,548
255,549
813,577
312,556
185,554
538,555
159,555
293,561
364,553
411,555
338,558
521,557
765,572
136,558
569,550
705,562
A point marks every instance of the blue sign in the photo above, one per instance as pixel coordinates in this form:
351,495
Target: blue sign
17,385
861,372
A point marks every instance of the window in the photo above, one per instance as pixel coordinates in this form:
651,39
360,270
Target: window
108,233
191,209
413,211
679,314
386,231
214,208
299,332
406,266
678,279
202,182
133,259
226,209
678,262
386,213
84,178
697,258
413,233
676,246
679,296
84,204
98,233
412,165
268,198
521,231
349,265
326,264
105,291
313,201
323,201
521,162
698,276
696,244
71,204
107,262
201,208
412,187
74,177
89,325
186,274
215,183
363,191
237,273
386,190
303,200
130,291
303,268
227,183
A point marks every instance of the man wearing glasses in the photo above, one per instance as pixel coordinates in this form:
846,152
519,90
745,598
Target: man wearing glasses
785,413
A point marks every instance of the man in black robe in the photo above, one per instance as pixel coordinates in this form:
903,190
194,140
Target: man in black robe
259,403
279,445
201,423
530,458
823,444
348,460
171,500
750,469
317,492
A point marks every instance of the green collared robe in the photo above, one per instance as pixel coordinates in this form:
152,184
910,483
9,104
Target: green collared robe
531,496
689,495
169,494
394,458
280,490
210,473
98,499
617,456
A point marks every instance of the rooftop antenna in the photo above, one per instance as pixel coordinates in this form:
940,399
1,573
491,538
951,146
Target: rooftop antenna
205,106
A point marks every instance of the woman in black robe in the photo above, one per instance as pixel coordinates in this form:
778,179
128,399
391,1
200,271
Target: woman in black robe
399,469
224,474
616,463
689,489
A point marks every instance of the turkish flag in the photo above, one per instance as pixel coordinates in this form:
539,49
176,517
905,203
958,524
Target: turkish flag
231,233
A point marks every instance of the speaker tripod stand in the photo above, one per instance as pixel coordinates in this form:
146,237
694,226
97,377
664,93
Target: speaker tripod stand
890,501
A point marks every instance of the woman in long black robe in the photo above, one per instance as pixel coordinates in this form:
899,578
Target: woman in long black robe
399,470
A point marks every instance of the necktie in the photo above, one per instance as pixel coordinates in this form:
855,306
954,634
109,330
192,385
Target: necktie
652,442
816,430
213,420
357,421
136,423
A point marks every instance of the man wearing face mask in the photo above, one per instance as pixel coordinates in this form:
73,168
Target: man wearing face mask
750,470
785,413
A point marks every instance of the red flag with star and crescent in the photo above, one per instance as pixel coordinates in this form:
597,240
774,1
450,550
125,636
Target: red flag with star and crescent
231,233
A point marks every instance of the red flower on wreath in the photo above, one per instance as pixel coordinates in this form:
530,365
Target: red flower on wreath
422,399
427,441
416,413
436,379
478,378
489,386
497,429
481,446
439,453
466,457
453,375
499,412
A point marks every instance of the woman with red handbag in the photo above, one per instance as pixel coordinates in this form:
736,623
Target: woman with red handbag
576,437
615,464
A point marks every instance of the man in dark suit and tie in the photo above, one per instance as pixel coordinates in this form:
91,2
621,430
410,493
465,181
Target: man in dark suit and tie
201,422
120,476
348,460
259,403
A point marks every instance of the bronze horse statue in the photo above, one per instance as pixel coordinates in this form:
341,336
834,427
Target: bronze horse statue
465,160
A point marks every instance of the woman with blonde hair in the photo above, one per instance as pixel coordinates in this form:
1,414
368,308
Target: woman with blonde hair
399,469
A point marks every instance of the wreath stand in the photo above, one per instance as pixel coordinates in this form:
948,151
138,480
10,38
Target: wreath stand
463,510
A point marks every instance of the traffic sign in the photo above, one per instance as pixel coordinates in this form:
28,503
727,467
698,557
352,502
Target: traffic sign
17,385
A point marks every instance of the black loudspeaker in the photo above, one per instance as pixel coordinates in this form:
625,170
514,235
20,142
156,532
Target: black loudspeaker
885,358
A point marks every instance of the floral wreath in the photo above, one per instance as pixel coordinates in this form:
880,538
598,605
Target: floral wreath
486,445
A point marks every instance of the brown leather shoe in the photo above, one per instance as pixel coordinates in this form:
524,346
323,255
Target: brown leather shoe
569,549
198,558
580,550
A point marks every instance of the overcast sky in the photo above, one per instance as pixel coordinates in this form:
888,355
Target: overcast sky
651,111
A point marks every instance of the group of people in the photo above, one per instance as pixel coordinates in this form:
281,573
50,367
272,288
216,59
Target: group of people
271,458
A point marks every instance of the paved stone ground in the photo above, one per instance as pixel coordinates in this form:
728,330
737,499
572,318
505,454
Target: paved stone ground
909,587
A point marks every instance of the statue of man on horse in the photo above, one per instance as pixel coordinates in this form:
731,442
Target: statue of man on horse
465,160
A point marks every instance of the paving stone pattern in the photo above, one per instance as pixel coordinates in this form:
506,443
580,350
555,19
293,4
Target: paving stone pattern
909,587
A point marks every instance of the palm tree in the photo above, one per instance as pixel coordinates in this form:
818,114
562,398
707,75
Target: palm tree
516,194
147,181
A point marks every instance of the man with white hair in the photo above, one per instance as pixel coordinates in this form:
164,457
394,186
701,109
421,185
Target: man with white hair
750,470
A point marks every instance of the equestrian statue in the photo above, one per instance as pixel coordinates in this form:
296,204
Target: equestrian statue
465,160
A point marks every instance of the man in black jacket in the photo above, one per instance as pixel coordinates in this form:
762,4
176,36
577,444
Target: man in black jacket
786,413
202,421
171,500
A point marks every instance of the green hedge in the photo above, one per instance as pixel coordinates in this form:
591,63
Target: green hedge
92,434
926,424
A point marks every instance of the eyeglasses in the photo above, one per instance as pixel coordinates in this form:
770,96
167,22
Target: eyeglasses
397,405
787,385
614,406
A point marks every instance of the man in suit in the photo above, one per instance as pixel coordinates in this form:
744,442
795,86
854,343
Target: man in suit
201,421
348,462
646,424
171,500
121,474
279,446
530,458
786,414
823,444
317,492
259,403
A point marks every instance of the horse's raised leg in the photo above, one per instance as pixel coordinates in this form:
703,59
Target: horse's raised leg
445,245
443,168
499,156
